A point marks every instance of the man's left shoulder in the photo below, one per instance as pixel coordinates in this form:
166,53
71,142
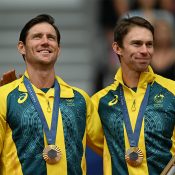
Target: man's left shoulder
166,83
81,91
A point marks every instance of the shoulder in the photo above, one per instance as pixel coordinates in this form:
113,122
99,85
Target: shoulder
100,94
5,89
67,89
166,83
81,91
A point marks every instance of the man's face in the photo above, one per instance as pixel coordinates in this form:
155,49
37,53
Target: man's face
137,50
41,45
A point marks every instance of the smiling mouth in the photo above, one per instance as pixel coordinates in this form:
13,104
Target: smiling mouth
143,59
44,51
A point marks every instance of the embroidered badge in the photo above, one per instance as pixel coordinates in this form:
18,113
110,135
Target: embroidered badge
70,102
22,98
158,100
114,101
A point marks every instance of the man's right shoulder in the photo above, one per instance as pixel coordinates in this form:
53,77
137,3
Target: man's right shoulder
7,88
104,91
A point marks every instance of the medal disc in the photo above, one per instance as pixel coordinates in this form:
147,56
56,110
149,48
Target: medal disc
51,154
134,156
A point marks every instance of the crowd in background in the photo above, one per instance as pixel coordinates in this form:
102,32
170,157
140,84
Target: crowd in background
161,13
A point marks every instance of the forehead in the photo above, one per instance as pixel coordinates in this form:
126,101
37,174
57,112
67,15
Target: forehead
42,28
139,33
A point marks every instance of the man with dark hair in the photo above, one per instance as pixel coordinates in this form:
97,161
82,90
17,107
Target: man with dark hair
137,111
44,122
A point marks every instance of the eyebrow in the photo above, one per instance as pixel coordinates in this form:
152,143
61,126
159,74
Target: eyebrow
40,34
140,41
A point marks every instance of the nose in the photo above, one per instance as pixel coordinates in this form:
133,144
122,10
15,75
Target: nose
45,39
144,48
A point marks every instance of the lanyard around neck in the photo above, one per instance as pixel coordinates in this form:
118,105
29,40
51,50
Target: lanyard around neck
133,137
50,133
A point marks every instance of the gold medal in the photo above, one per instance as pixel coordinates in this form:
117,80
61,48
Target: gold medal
134,156
51,154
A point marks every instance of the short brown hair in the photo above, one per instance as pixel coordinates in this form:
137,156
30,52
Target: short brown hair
39,19
125,24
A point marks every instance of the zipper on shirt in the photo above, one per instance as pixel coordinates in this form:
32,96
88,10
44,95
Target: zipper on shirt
133,107
48,106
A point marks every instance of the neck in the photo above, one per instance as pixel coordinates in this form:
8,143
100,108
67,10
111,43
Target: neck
41,78
131,78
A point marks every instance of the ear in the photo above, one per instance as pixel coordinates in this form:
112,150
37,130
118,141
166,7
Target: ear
117,49
21,48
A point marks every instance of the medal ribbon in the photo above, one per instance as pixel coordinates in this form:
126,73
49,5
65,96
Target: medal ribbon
133,137
50,134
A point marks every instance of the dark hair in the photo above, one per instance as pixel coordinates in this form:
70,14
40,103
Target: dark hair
125,24
39,19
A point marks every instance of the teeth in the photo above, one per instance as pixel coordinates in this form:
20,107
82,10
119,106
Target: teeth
44,51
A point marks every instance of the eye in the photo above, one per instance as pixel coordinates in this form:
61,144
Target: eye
52,37
149,45
137,43
37,36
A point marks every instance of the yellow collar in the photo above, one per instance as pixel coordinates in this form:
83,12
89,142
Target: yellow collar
145,77
66,91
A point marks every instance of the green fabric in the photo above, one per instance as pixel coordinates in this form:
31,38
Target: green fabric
74,119
114,133
27,133
159,114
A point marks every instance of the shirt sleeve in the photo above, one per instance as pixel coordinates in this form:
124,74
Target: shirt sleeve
2,122
95,135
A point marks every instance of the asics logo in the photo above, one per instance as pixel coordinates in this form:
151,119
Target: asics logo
22,98
114,101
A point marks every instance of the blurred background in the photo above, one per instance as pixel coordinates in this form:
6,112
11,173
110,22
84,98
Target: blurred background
75,21
87,60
